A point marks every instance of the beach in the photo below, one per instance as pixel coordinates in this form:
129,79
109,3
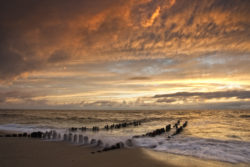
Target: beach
34,152
28,152
70,137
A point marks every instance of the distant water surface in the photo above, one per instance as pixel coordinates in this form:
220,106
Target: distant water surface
211,134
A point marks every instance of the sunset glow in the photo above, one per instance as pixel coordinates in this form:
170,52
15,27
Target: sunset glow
133,54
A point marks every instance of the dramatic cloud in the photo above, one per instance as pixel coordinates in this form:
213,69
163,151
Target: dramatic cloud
81,50
34,33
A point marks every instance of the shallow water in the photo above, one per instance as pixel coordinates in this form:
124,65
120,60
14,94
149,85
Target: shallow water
220,135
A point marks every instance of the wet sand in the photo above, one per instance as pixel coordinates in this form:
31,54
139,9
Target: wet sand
27,152
24,152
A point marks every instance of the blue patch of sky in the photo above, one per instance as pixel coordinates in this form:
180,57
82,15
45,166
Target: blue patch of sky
211,60
142,67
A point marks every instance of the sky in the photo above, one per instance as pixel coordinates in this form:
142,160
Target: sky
125,54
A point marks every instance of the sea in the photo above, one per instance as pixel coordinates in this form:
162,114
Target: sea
222,135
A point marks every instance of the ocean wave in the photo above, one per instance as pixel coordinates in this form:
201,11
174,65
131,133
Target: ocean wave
228,151
222,150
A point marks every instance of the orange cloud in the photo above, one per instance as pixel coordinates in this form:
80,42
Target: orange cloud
151,20
101,31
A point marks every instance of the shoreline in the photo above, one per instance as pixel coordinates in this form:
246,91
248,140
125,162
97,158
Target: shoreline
17,151
35,152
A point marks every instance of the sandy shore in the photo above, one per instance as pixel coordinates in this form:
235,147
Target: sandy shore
26,152
23,152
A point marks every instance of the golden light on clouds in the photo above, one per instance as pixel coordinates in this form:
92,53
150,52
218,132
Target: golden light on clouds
121,54
151,20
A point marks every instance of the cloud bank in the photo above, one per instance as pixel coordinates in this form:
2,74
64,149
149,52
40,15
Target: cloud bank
118,53
36,35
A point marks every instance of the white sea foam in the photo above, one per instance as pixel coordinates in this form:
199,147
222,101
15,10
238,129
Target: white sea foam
229,151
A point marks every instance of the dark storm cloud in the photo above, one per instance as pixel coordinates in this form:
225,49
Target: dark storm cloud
208,95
